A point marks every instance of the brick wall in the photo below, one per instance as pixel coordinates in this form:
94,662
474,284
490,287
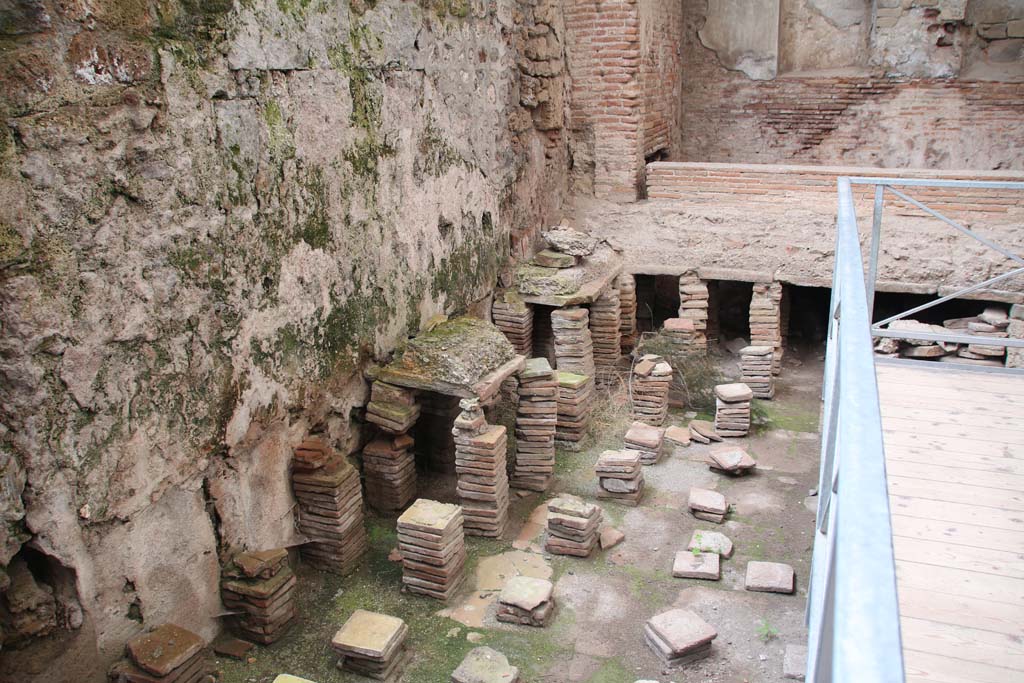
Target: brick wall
624,59
850,119
771,183
603,53
661,70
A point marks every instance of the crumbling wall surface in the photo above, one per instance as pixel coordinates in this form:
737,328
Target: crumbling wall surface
856,112
661,72
816,35
744,35
213,216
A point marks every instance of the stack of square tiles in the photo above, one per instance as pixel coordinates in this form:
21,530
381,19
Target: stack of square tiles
693,305
647,440
574,347
260,585
389,468
433,548
575,404
766,320
573,526
649,388
679,636
605,320
330,514
732,409
480,464
526,600
167,654
756,370
372,645
620,477
392,408
627,311
536,423
515,319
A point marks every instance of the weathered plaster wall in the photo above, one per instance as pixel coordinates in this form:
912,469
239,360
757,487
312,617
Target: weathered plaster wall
899,89
213,216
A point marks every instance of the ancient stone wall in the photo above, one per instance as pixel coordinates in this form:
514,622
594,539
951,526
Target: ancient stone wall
870,84
213,216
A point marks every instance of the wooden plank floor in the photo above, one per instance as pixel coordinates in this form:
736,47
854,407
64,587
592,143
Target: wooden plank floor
954,448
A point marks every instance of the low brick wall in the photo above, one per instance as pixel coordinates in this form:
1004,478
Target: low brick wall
772,183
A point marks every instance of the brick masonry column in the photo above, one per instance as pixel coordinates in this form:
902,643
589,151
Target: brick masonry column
627,311
515,319
574,348
480,465
605,314
766,320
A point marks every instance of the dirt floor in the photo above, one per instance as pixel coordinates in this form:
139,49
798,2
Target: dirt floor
602,601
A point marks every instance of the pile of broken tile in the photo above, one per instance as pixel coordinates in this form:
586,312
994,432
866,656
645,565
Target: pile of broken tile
731,460
389,472
647,440
732,409
330,508
167,654
432,544
485,665
649,385
992,323
480,465
703,431
372,645
575,405
527,601
702,557
573,526
620,477
536,425
259,587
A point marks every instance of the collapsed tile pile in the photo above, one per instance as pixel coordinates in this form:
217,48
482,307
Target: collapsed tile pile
260,587
756,370
372,645
649,387
620,477
433,548
766,320
480,464
678,435
708,505
515,319
693,305
627,311
993,323
330,511
731,460
536,423
485,665
703,431
526,600
711,542
392,408
573,526
605,320
389,471
575,404
679,636
732,409
167,654
690,564
574,348
647,440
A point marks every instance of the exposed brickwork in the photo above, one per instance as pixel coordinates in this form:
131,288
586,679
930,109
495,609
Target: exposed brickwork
852,119
669,180
625,65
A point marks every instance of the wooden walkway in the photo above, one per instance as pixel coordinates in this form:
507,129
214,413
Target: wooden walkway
954,447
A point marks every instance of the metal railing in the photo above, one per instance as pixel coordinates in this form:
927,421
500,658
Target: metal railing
890,185
852,612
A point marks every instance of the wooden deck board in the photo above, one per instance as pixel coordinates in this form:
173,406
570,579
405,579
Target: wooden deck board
954,444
